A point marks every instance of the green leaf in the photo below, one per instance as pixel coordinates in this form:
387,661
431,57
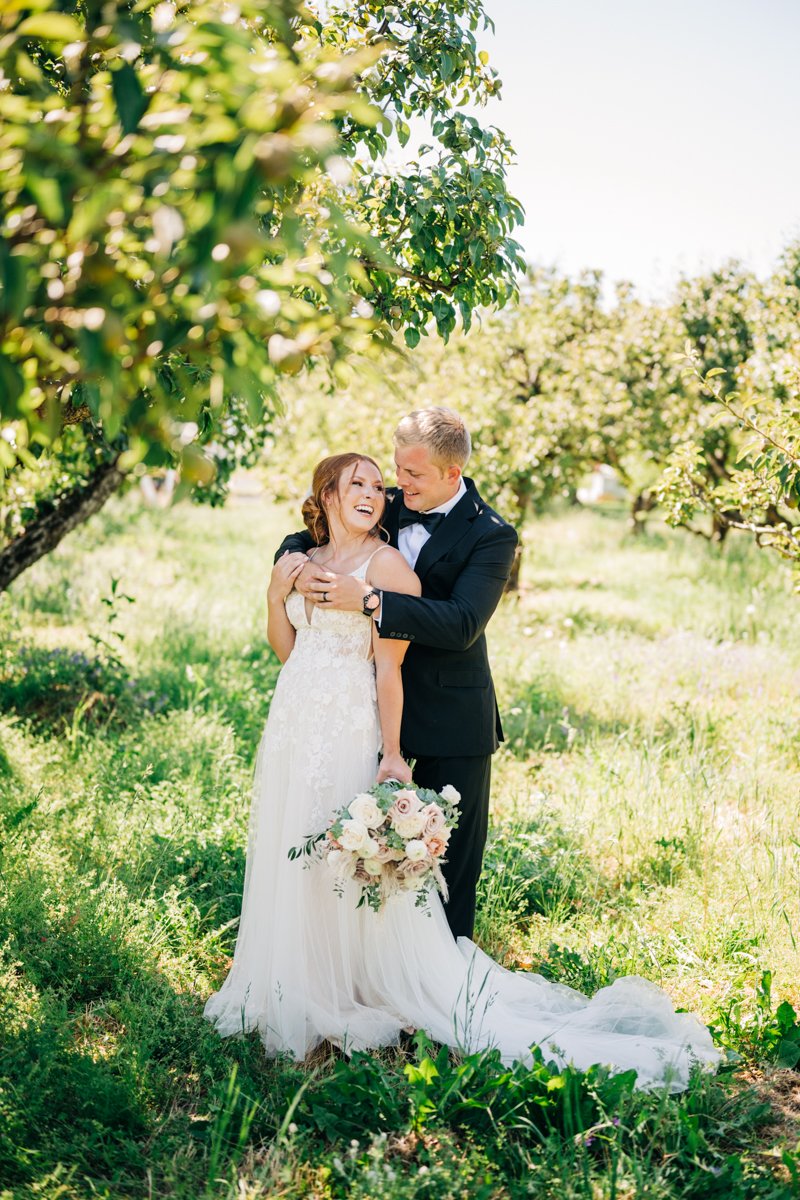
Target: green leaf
52,27
788,1053
11,387
14,292
47,196
91,213
129,97
787,1018
412,336
364,112
12,6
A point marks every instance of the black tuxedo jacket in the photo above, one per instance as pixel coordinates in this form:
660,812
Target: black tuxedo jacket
450,708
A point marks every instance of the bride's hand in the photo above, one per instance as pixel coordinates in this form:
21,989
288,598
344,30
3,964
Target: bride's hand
394,766
284,573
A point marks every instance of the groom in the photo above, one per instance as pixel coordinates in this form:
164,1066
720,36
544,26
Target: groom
462,552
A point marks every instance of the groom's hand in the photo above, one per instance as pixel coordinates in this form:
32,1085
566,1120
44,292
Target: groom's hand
341,592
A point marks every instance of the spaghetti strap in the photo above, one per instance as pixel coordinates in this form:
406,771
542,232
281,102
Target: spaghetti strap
361,571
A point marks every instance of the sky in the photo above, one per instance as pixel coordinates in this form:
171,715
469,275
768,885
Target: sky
652,139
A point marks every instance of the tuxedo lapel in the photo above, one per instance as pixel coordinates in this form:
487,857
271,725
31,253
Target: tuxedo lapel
391,515
451,530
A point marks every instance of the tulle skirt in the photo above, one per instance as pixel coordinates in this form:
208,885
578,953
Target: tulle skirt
311,966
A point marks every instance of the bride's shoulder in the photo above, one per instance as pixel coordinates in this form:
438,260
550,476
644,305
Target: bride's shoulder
390,571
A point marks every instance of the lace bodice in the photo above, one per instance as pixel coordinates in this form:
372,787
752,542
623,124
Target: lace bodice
347,635
326,694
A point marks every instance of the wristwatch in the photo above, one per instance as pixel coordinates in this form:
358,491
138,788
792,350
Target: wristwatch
371,601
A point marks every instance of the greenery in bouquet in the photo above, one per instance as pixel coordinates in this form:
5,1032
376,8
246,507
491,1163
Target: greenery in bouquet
389,839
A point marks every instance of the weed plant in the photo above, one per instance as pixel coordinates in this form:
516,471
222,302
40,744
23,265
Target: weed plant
645,820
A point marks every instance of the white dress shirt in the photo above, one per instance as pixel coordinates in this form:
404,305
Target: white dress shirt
412,538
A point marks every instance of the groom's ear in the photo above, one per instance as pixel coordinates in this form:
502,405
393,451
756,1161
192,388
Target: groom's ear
452,473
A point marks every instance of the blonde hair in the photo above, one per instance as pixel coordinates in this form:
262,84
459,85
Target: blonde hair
441,431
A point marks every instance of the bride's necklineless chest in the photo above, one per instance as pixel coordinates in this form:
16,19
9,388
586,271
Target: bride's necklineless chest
359,570
341,568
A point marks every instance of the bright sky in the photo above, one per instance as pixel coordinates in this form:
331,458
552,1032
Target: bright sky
652,138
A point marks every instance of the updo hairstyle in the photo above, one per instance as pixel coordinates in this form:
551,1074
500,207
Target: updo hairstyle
325,483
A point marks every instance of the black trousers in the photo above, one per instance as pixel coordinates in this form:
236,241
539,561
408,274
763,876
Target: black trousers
471,776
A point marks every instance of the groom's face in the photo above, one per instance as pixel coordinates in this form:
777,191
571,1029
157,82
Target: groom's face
424,483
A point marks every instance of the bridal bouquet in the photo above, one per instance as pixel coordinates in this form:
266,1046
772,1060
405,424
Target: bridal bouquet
389,839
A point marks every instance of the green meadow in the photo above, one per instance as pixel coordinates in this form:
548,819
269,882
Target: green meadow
645,821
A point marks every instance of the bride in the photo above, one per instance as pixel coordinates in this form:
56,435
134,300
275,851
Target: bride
311,966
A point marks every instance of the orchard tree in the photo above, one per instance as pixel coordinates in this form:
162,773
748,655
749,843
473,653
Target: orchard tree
757,405
520,379
194,205
559,381
444,221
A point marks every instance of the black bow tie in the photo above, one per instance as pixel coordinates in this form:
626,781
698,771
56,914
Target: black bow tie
429,519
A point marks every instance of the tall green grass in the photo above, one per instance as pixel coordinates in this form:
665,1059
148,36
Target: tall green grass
645,820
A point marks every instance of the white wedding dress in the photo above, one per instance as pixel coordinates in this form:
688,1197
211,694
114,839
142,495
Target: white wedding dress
310,966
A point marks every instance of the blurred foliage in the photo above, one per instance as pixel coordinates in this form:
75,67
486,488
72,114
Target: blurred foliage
195,203
157,253
561,381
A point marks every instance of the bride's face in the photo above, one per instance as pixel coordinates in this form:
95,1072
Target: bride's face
360,500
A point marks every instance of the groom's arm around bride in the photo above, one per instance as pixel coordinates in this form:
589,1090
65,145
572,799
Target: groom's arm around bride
462,552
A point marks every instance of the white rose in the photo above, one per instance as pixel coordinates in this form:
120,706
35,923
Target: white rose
369,848
410,826
354,835
365,810
450,794
373,866
416,851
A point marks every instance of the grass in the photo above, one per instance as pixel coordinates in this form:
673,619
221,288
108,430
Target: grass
645,820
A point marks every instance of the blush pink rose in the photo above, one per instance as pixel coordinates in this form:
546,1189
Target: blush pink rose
411,870
406,802
433,818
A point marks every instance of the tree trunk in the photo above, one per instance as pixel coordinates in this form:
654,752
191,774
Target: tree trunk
513,579
45,532
522,496
644,503
719,528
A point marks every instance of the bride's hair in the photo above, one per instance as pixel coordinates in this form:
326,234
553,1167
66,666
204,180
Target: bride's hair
325,483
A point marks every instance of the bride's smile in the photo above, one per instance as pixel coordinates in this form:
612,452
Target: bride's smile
359,503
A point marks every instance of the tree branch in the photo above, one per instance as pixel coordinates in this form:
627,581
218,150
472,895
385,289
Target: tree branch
431,285
45,532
